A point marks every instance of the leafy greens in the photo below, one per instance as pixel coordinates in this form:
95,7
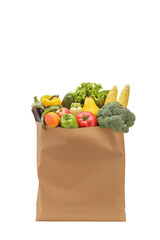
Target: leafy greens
93,90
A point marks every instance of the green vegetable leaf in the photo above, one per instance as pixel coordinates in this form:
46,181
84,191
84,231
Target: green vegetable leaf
93,90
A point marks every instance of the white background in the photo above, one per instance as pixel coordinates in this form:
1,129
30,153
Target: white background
50,47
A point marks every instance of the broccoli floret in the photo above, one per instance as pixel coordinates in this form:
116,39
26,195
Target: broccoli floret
110,107
118,105
125,114
128,117
116,123
115,116
125,129
99,112
116,111
107,122
131,121
106,113
101,122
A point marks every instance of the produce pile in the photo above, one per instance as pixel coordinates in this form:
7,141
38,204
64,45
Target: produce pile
88,106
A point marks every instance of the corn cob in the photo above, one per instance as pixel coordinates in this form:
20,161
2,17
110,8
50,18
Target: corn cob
124,96
112,95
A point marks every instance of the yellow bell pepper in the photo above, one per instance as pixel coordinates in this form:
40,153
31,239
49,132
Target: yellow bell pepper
50,100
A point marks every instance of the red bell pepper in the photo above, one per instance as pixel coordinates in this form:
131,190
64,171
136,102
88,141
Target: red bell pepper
86,119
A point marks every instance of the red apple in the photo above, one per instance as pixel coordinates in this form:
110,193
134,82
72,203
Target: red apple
62,111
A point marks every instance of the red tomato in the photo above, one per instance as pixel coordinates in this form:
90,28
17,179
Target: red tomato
86,119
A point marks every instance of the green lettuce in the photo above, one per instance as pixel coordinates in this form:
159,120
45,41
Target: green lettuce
93,90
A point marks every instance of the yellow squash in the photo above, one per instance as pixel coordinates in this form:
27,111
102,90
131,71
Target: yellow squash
112,95
124,96
90,106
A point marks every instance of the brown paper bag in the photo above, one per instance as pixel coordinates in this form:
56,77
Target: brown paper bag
81,174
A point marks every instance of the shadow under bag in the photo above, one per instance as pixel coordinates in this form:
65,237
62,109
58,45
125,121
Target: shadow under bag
81,174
